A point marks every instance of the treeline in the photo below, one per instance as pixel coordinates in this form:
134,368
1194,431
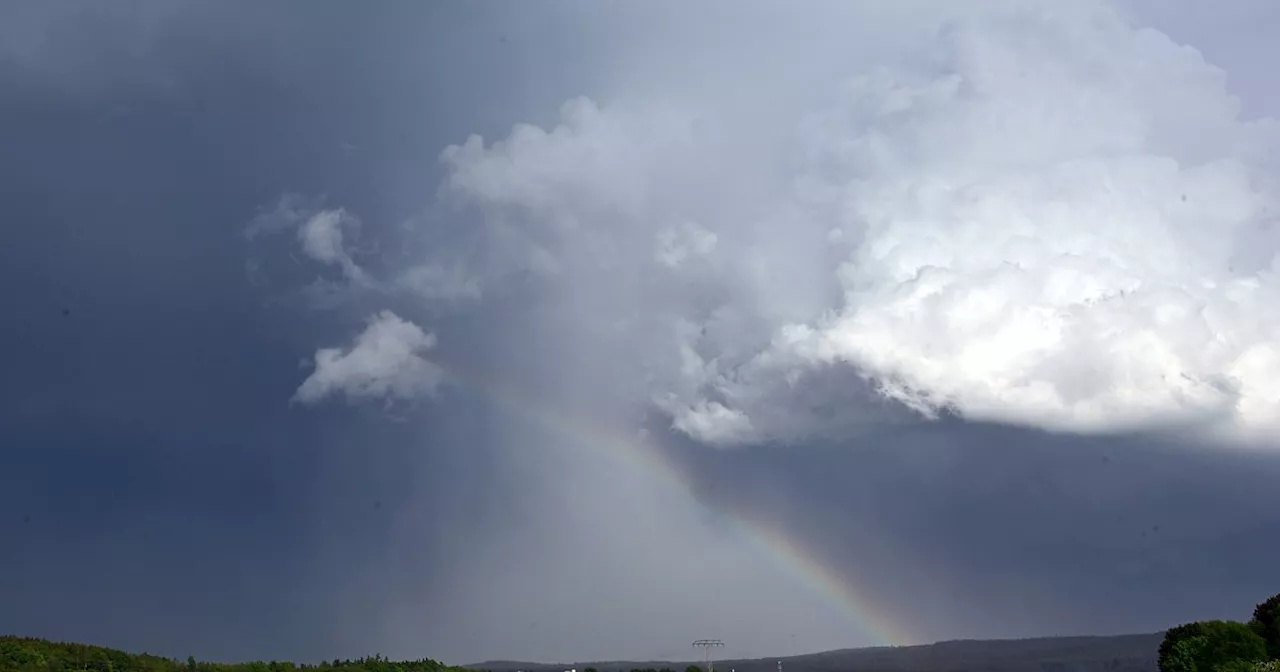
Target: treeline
1225,646
27,654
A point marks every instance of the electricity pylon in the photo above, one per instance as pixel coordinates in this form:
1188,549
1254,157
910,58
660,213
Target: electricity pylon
707,645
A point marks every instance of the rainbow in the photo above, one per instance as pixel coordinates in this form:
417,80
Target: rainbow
772,539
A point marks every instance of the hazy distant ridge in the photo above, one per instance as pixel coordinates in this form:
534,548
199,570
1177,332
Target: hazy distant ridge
1119,653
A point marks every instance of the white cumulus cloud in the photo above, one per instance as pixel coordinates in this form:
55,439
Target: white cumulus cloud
385,362
1048,217
1058,219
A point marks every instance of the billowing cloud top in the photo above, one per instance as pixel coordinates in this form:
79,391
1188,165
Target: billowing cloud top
1056,219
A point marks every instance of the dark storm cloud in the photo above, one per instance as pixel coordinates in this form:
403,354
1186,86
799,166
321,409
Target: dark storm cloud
166,496
160,492
982,530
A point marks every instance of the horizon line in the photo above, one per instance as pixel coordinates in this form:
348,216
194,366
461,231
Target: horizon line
815,653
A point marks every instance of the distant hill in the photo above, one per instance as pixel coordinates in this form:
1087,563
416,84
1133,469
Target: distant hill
1120,653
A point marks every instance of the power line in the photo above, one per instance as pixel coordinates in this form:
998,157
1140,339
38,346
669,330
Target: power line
707,645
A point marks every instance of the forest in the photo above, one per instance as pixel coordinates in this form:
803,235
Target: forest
28,654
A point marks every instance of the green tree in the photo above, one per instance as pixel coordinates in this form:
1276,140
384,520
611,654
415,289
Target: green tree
693,668
24,654
1175,658
1266,622
1186,654
1211,646
1237,666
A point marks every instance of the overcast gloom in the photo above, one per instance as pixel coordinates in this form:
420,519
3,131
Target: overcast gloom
570,330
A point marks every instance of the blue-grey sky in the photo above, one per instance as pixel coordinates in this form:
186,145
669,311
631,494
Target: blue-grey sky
974,300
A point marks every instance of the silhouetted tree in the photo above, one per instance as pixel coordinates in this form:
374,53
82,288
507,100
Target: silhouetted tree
1266,622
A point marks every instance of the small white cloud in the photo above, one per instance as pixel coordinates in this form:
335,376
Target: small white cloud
386,362
713,423
323,237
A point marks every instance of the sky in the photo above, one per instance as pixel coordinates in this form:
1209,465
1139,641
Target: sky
570,331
